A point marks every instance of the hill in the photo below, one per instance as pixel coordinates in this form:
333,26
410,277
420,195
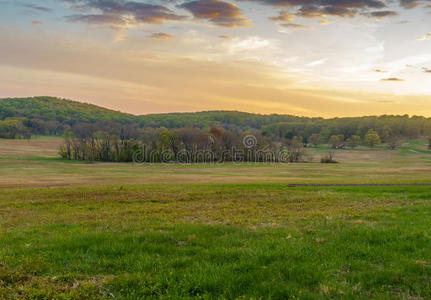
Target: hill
53,116
70,112
61,110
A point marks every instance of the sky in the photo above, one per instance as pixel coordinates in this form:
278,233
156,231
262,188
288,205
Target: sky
327,58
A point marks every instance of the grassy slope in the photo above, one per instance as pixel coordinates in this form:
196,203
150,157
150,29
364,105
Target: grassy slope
216,241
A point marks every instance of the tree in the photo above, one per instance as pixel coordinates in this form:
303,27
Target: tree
429,143
387,133
393,141
335,141
170,141
372,138
341,140
295,148
354,141
315,139
13,129
328,159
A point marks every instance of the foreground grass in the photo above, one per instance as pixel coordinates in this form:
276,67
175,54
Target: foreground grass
215,241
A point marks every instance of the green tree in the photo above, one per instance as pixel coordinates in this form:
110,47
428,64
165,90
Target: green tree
386,133
354,141
315,139
372,138
335,141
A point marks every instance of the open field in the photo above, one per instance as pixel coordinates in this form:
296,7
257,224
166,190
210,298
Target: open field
78,230
36,163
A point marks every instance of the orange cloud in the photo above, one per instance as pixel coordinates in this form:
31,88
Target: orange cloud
283,16
218,12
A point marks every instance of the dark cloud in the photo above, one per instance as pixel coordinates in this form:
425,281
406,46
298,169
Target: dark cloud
338,8
382,14
322,8
121,13
161,36
426,70
392,79
294,26
218,12
409,4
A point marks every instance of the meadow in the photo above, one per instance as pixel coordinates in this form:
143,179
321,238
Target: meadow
77,230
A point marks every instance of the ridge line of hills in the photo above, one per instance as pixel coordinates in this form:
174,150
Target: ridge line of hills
54,116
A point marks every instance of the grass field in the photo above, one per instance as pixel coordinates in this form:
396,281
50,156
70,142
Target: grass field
121,231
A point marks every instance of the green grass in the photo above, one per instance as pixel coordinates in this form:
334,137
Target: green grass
71,230
216,241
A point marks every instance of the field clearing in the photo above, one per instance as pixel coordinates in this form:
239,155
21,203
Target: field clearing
36,163
74,230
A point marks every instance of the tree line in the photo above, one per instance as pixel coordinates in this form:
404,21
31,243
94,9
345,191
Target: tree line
21,118
181,145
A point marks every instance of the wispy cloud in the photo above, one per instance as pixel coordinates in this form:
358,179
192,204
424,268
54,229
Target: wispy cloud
424,37
381,14
161,36
38,8
295,26
394,79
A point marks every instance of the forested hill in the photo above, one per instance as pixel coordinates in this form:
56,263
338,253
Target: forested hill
71,112
61,110
22,117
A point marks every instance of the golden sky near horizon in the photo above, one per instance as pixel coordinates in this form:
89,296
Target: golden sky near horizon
305,57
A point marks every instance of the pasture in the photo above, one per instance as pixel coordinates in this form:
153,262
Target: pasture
76,230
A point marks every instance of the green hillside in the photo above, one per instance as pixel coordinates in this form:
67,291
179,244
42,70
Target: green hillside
61,110
69,112
49,115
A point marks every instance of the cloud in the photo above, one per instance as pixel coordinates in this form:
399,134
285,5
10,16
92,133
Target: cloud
227,37
323,8
294,26
424,37
392,79
409,4
121,13
36,22
381,14
426,70
318,62
218,12
283,16
161,36
379,71
324,22
37,8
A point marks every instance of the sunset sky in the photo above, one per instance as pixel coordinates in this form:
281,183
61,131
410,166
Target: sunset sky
304,57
